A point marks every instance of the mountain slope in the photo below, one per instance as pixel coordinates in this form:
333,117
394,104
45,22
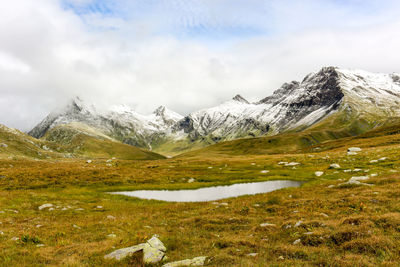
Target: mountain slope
347,101
84,141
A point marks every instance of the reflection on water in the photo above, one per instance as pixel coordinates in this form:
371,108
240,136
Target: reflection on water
211,193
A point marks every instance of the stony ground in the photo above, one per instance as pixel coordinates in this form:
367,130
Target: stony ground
326,222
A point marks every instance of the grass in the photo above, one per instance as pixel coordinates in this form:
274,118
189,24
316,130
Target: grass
348,225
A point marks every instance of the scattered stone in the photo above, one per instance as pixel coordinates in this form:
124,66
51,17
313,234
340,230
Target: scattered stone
352,153
357,170
282,163
99,207
309,233
89,161
15,238
44,206
124,252
292,164
76,226
298,224
252,254
110,217
281,258
198,261
374,161
109,160
256,205
191,180
264,171
51,209
331,186
220,203
79,209
3,145
354,149
267,224
210,167
253,164
383,159
347,171
40,245
334,166
1,233
112,235
318,174
38,226
297,241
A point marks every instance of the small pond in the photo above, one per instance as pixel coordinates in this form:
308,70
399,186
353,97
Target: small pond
211,193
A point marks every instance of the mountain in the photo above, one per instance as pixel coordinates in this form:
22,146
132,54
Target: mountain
337,102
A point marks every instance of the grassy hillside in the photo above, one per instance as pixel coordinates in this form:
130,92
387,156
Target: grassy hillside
327,134
14,143
337,224
82,140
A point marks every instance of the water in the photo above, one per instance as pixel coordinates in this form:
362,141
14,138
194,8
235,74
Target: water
211,193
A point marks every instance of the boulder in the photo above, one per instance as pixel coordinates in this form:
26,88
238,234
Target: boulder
318,174
198,261
334,166
353,149
44,206
122,253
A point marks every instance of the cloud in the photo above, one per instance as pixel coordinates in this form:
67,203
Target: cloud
186,55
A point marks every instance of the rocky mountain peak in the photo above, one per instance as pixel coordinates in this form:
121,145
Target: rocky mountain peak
240,98
160,111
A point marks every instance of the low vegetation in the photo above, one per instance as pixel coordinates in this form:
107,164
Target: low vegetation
326,222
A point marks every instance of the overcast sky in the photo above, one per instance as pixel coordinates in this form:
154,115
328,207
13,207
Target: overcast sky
184,54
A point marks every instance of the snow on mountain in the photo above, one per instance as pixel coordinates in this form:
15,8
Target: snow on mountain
293,105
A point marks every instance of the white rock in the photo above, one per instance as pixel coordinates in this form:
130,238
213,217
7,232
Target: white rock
110,217
3,145
44,206
252,254
334,166
292,164
383,159
267,224
318,174
282,163
374,175
264,171
99,207
354,149
40,245
373,161
297,241
309,233
191,180
352,153
198,261
122,253
15,238
324,215
89,161
76,226
112,235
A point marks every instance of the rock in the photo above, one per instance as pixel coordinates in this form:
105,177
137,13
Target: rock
76,226
374,175
267,224
99,207
298,223
318,174
292,164
281,258
357,170
89,161
112,235
297,241
264,171
382,159
334,166
253,164
309,233
44,206
152,255
124,252
283,163
324,215
3,145
40,245
374,161
109,160
354,149
347,171
156,243
191,180
110,217
1,233
15,238
198,261
252,254
352,153
210,167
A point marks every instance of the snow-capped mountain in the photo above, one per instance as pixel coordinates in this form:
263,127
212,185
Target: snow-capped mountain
296,105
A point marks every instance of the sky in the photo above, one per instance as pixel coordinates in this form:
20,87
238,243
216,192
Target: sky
183,54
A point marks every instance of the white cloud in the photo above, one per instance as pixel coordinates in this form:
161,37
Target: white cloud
48,54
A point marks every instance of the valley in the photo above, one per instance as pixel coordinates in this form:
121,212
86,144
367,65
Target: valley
326,221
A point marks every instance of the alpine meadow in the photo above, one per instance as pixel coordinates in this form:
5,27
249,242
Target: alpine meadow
199,133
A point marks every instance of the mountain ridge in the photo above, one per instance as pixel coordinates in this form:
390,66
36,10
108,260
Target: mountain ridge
295,106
